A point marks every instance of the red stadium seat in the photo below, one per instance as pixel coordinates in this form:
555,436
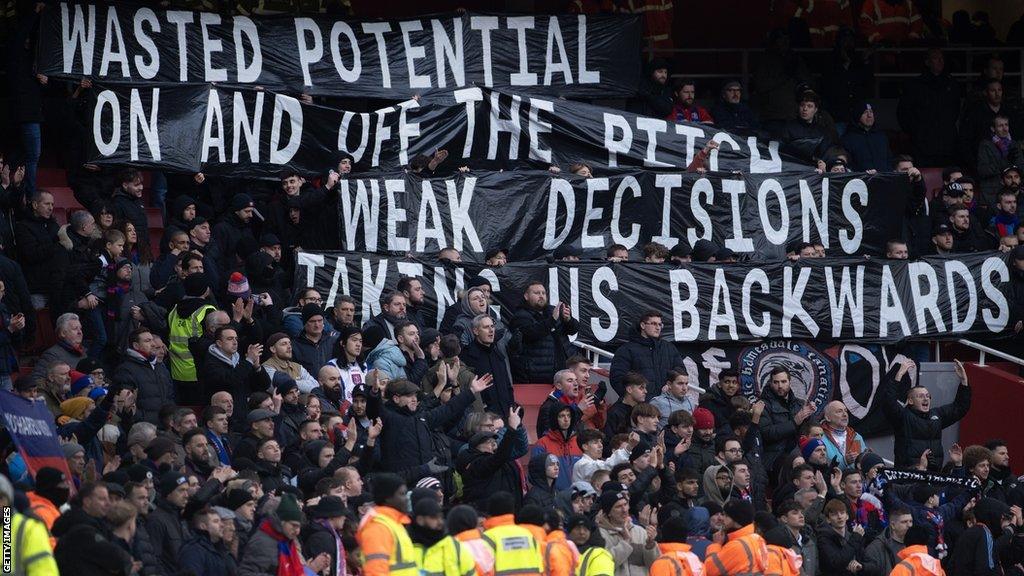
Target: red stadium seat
63,197
60,214
155,218
932,181
530,397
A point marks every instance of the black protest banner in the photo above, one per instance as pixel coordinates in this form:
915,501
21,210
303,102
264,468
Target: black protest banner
827,300
849,372
251,133
755,215
585,56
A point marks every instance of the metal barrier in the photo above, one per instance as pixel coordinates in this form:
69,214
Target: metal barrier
966,72
983,350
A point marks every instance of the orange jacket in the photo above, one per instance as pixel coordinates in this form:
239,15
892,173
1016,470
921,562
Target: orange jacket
881,21
915,561
560,555
45,511
377,542
676,560
824,17
541,537
783,561
503,520
481,551
745,552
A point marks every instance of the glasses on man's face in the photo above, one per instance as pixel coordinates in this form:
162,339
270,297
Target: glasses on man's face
734,450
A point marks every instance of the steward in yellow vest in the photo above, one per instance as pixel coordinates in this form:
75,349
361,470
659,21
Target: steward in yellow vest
516,551
387,549
594,560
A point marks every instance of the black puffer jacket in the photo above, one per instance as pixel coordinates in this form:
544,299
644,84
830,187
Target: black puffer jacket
200,556
545,344
167,532
152,381
484,474
405,441
917,431
42,257
651,358
226,235
778,430
720,407
130,208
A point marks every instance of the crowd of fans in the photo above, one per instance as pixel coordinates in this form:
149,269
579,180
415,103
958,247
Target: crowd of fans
217,419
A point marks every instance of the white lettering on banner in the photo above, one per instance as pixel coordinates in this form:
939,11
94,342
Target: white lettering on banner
365,207
242,127
759,277
995,321
377,29
628,183
211,46
396,214
652,126
808,212
458,207
111,53
584,76
78,35
851,243
413,53
424,231
891,307
721,308
792,302
364,134
592,213
406,130
560,191
150,129
688,307
538,127
485,24
734,188
604,276
214,119
381,135
721,138
667,182
849,298
180,18
245,29
511,125
562,66
691,133
701,188
340,273
777,236
311,262
926,301
450,50
521,24
306,28
21,426
616,123
346,73
285,106
146,70
469,97
956,270
103,146
857,410
373,288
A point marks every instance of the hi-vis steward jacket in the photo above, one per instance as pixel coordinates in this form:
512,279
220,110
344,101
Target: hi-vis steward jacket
745,554
386,546
516,551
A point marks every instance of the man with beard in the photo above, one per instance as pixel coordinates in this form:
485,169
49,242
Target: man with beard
280,360
685,108
415,296
545,331
1000,473
782,417
654,98
942,239
393,311
730,112
197,454
702,449
56,386
966,237
407,336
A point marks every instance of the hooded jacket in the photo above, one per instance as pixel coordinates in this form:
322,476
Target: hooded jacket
711,491
151,379
542,490
388,358
562,445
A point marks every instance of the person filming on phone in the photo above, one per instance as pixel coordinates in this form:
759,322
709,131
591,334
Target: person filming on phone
545,329
918,427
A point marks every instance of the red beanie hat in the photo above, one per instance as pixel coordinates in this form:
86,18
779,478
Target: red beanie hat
703,419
